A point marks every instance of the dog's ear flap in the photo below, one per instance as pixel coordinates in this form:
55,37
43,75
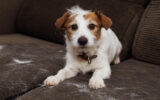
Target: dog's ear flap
60,22
106,22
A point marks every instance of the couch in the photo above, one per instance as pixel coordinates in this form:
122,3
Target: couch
31,48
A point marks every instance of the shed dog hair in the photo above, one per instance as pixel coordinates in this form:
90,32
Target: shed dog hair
91,46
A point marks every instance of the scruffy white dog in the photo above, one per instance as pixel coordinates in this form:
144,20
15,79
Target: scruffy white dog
91,46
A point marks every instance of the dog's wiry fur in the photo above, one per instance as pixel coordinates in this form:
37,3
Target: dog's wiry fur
102,41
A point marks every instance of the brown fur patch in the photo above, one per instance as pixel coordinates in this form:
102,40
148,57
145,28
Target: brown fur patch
69,20
105,21
67,26
69,34
93,17
64,23
61,21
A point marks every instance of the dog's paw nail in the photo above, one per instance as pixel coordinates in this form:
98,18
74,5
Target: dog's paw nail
51,80
96,83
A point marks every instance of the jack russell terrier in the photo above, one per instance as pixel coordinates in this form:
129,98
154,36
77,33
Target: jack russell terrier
91,46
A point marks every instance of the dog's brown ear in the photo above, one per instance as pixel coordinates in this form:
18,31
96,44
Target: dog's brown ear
61,21
105,21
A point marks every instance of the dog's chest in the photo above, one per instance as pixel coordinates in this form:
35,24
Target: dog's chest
86,67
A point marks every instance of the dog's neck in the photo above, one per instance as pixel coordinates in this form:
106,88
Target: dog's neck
84,56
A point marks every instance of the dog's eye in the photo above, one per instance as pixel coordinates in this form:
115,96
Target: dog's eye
91,26
74,27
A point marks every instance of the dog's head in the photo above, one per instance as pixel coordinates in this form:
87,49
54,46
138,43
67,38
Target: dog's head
83,27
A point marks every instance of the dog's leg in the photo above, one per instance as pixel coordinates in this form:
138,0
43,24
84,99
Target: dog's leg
116,60
65,73
96,80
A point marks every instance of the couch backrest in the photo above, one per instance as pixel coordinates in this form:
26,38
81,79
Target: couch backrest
37,18
147,41
8,14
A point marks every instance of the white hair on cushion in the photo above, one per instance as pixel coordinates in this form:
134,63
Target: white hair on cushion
1,47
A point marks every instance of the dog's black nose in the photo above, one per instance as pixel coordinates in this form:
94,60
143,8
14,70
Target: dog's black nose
82,40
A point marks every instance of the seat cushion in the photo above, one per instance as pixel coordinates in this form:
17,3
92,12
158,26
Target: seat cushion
147,41
130,80
37,18
25,62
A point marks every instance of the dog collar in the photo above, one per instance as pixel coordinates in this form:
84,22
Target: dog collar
84,56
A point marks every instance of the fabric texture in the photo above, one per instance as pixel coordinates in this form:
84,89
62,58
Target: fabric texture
8,14
147,41
130,80
140,2
37,18
25,62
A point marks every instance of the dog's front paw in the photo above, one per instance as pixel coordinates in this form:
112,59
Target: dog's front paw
52,80
96,83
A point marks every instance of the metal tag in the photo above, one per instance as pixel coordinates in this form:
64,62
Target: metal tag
89,60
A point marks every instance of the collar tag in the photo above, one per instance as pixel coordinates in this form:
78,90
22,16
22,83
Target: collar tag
89,60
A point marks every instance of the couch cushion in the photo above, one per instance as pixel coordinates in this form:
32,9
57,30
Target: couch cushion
147,41
25,62
8,14
130,80
37,18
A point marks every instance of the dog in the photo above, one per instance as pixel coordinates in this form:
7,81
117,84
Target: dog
91,46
